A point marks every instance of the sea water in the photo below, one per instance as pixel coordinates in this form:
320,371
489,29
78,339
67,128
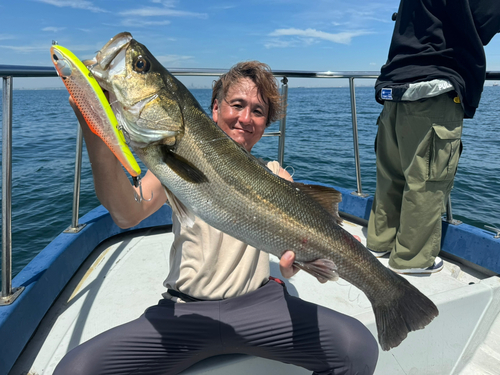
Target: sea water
319,147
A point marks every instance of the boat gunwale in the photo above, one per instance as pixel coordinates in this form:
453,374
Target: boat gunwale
48,273
44,281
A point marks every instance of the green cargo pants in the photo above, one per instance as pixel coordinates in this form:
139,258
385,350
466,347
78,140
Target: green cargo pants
417,150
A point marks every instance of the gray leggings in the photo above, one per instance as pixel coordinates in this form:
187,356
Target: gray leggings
268,323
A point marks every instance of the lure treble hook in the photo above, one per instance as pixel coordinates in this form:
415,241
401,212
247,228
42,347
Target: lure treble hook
138,183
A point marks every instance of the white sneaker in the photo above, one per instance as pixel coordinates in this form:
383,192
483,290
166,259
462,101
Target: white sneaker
379,254
436,267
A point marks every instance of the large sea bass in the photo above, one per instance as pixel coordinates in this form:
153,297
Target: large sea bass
217,180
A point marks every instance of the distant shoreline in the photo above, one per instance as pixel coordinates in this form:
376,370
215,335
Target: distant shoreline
193,88
488,84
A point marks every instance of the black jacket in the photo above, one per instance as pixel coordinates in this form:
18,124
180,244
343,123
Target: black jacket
442,39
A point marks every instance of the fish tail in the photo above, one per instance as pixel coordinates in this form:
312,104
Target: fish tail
408,310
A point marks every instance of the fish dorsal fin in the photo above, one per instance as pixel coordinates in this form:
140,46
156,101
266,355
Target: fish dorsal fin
329,198
182,167
184,214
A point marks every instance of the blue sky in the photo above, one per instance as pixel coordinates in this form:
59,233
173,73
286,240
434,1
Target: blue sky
317,35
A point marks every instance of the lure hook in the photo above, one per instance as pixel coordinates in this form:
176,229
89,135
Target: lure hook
91,69
138,183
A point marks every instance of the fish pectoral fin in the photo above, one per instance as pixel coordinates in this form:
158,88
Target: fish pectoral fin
323,269
184,215
329,198
182,167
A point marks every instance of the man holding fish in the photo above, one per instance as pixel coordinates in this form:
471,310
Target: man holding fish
220,298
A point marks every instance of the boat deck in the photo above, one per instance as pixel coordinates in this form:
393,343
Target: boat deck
124,276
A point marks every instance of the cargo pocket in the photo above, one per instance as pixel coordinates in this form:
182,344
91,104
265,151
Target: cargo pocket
445,151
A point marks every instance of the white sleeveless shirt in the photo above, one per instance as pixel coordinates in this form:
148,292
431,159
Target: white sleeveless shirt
208,264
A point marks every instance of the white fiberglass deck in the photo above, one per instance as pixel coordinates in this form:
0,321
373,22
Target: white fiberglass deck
124,275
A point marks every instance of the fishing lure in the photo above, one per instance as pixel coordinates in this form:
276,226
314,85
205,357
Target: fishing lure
95,108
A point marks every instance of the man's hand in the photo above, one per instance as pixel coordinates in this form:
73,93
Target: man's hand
286,264
288,269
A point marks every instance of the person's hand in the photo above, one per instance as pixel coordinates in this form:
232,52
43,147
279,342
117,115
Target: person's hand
78,113
287,268
73,104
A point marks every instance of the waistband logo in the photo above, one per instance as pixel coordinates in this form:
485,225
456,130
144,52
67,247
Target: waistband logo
386,94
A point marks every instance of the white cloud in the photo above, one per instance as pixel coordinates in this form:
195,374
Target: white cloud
342,37
173,60
45,47
153,11
167,3
280,44
356,14
77,4
6,37
371,12
53,29
223,6
26,49
130,22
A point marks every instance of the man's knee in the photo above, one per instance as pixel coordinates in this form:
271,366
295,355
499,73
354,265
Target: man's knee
84,359
353,348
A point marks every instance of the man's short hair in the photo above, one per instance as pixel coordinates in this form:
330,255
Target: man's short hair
263,78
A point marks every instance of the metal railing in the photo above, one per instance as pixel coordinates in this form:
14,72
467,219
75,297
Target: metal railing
8,72
8,294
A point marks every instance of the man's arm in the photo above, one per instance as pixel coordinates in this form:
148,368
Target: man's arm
113,188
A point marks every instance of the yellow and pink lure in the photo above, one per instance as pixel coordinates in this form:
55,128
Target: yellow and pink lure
95,108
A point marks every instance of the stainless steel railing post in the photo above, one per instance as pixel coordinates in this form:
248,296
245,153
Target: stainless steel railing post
284,101
6,187
449,213
355,136
8,294
75,227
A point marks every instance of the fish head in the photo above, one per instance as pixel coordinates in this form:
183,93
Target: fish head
137,84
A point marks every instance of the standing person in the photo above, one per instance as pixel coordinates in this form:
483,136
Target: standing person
433,78
220,298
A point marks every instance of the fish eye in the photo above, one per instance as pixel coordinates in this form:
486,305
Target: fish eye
141,65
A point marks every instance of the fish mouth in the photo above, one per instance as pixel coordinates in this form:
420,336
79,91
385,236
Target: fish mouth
109,62
112,49
110,59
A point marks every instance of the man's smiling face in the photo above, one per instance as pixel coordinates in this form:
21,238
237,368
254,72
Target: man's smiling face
242,114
